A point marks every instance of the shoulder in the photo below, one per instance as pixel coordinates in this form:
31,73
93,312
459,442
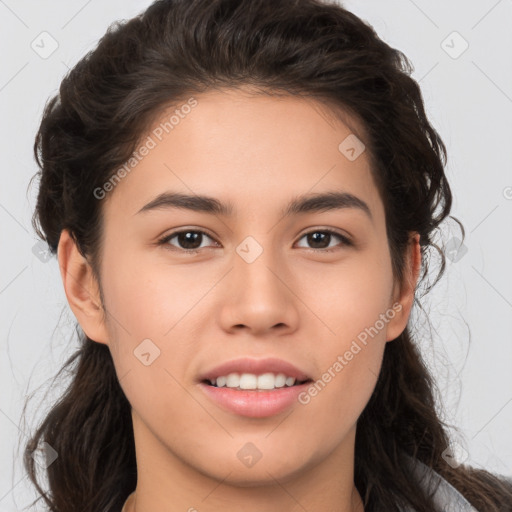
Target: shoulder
446,498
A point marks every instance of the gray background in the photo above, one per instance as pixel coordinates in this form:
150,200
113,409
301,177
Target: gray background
468,96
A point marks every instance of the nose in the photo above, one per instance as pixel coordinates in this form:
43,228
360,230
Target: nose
260,296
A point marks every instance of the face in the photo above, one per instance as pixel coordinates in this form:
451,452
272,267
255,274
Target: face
194,294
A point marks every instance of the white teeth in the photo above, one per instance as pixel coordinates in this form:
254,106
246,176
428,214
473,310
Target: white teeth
280,380
290,381
266,381
252,381
248,381
233,380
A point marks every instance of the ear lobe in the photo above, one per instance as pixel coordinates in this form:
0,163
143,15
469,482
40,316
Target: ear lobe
81,288
405,296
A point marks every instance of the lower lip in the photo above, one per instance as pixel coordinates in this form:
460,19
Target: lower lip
254,403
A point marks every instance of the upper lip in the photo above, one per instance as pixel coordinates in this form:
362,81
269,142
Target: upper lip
255,366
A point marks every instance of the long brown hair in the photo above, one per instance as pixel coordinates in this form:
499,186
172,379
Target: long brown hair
106,102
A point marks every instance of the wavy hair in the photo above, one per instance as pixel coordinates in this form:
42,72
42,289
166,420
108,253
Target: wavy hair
105,104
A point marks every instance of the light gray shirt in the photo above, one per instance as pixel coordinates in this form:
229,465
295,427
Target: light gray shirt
446,497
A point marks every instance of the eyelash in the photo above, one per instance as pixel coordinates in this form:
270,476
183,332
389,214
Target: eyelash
165,240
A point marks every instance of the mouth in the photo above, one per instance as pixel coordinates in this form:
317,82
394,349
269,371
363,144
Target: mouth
254,388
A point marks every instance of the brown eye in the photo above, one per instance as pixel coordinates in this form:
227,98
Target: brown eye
321,240
188,240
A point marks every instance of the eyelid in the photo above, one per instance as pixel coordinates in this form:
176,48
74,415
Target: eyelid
325,229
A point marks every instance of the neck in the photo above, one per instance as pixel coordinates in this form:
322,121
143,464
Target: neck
166,482
356,505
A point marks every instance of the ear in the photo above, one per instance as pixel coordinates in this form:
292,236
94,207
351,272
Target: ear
81,288
403,298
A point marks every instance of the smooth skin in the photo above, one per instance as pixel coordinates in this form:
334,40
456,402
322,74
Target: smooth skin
295,302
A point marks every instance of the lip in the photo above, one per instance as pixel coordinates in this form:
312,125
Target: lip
254,403
257,367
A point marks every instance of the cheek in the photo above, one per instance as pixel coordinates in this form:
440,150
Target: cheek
347,298
352,312
145,299
147,312
350,365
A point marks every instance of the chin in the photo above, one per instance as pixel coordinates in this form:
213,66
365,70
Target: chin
262,473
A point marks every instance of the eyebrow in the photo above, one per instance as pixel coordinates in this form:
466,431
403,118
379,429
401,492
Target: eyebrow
307,203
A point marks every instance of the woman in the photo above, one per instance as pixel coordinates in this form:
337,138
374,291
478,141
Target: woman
242,197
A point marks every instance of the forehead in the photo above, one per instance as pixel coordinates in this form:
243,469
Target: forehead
229,142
